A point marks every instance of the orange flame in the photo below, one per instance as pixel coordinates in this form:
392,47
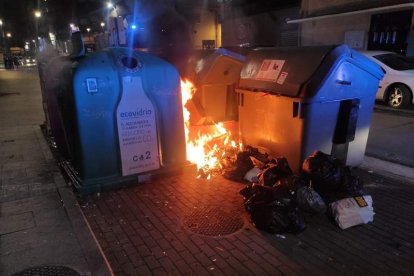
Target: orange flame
206,150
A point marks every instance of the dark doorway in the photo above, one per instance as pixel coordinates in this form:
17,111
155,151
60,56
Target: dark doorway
389,31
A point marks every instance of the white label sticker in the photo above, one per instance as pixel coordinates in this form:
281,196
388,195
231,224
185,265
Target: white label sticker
137,129
282,77
270,69
92,85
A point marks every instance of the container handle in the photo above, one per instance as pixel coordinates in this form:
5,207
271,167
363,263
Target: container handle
343,82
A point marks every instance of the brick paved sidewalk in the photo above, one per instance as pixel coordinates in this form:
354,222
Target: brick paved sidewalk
143,230
40,221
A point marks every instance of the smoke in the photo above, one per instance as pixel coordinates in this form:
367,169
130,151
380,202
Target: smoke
167,33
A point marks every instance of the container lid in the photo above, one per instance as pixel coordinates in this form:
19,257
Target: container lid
298,71
220,67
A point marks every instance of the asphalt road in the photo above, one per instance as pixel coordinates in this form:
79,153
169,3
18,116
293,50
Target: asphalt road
391,135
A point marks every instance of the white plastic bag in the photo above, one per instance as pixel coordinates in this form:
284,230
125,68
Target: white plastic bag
352,211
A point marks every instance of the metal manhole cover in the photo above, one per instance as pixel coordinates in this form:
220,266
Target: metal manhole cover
213,221
48,270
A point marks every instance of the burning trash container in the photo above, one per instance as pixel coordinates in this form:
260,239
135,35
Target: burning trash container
293,101
129,119
215,75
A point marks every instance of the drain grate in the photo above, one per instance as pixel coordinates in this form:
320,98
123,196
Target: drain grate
213,221
48,270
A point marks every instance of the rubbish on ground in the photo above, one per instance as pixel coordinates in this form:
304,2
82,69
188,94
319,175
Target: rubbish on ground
330,178
325,171
252,175
352,211
277,169
236,168
241,166
309,200
350,186
273,209
275,196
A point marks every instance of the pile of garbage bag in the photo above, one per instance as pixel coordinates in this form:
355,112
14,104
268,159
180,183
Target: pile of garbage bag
276,199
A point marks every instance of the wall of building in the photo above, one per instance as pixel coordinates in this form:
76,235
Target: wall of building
333,30
206,29
336,30
313,6
264,29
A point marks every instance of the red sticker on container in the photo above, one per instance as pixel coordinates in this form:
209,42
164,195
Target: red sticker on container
270,70
282,77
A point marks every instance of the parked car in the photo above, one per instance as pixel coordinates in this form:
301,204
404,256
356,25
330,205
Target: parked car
397,87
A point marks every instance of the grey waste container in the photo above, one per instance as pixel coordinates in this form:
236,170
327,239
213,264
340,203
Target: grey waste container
116,117
128,119
293,101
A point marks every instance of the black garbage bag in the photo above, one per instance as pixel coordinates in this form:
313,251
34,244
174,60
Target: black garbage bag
309,200
233,173
325,172
241,166
247,191
272,209
276,219
291,182
243,161
277,169
330,178
255,153
351,186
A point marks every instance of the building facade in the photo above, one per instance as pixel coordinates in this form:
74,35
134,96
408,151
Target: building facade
361,24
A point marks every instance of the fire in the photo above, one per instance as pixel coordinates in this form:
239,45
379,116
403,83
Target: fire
205,150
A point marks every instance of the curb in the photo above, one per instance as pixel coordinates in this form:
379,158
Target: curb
405,162
93,253
388,169
398,112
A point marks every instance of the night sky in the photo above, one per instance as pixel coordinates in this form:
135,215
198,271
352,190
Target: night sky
18,17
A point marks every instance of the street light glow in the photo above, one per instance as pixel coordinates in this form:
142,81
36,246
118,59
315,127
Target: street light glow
109,5
37,14
8,34
1,22
102,24
71,25
88,29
